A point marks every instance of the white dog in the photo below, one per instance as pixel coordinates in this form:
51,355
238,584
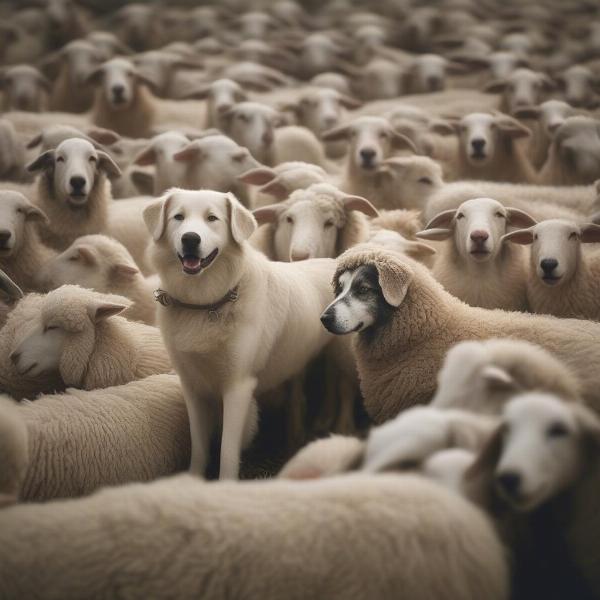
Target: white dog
234,323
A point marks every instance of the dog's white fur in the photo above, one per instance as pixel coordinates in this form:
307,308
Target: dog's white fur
259,341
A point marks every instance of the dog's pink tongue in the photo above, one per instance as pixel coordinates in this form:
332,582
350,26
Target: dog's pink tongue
191,262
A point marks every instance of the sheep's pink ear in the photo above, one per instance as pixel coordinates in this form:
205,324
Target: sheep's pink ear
521,236
258,176
33,213
155,216
9,287
336,134
440,227
144,182
101,310
241,220
349,102
527,112
438,234
124,271
394,280
276,189
590,233
43,162
86,254
34,141
512,127
267,214
95,77
419,250
146,157
495,87
441,127
106,137
108,165
359,204
399,140
188,154
498,378
519,218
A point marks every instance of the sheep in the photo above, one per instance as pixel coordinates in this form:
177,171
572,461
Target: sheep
405,222
73,190
334,81
14,452
25,89
489,148
378,79
318,222
18,45
476,265
22,254
52,135
427,73
549,116
139,26
221,96
564,280
372,140
12,153
253,126
580,86
107,44
74,334
123,102
574,154
100,263
501,64
454,551
82,440
424,321
523,87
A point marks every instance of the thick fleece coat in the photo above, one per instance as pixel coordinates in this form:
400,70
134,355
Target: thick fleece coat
14,453
82,440
397,360
183,538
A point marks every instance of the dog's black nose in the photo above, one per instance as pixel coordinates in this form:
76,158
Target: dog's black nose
510,482
367,155
190,240
77,183
5,235
327,319
478,144
548,265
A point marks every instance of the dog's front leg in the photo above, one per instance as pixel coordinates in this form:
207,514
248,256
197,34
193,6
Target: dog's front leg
201,428
237,400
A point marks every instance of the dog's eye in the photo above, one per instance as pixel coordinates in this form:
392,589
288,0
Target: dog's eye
460,216
328,224
60,159
557,430
289,220
383,135
363,289
425,180
178,217
93,159
500,215
212,218
573,236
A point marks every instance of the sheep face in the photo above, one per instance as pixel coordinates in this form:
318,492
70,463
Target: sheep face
522,87
502,64
223,95
73,170
483,136
556,248
379,79
25,88
579,84
323,109
80,59
477,227
372,139
15,211
41,350
541,446
319,53
553,114
577,142
428,73
197,227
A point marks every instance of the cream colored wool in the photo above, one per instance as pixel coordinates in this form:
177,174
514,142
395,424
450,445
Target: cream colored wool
404,222
183,538
67,224
397,361
14,454
82,440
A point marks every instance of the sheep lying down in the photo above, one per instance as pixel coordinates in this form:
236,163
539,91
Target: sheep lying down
183,538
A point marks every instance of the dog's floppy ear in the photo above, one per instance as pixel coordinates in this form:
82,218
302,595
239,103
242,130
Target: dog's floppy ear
485,463
241,220
394,278
155,216
588,421
9,287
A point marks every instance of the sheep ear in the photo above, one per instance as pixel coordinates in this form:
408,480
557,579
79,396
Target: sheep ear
188,154
394,280
106,137
487,459
349,102
399,140
495,87
359,204
276,189
588,421
155,217
498,378
144,182
108,165
95,77
521,236
519,218
86,255
336,134
33,213
102,310
512,127
258,176
43,162
419,250
441,127
145,79
123,271
445,220
434,235
200,93
145,157
590,233
34,141
9,287
527,112
267,214
242,221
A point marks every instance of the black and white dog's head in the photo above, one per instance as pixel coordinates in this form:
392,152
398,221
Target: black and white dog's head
359,302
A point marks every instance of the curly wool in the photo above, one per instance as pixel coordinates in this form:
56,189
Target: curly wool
398,360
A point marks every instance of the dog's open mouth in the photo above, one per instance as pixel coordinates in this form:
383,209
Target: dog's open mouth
193,264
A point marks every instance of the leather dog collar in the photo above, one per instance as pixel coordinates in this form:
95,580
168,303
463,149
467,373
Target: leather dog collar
166,300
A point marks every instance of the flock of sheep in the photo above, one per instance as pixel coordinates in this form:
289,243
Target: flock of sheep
343,251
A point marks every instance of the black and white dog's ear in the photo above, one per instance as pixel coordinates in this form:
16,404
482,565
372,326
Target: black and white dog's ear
394,280
241,220
155,216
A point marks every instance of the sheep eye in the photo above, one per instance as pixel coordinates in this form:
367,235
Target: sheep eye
93,159
212,218
50,328
557,430
535,237
74,258
178,217
500,215
425,180
289,220
60,159
383,135
460,216
328,224
573,236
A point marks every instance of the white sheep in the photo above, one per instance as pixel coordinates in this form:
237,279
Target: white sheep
14,452
564,280
580,86
100,263
12,153
73,190
476,265
71,337
221,95
51,136
25,89
454,551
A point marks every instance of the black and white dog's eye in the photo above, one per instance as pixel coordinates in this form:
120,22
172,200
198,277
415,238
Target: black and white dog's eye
178,217
557,430
363,289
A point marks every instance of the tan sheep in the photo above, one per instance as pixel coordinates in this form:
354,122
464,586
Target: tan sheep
25,89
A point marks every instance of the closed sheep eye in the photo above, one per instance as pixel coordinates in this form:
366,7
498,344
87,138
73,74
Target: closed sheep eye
425,180
557,430
50,328
289,220
60,159
328,224
500,215
93,159
535,237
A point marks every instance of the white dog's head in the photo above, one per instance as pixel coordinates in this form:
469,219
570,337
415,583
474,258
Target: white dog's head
196,228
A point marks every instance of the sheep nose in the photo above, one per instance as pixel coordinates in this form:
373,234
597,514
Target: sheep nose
548,265
478,144
479,236
509,482
434,82
118,91
14,357
554,125
77,183
297,255
222,108
267,138
190,240
5,235
330,121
